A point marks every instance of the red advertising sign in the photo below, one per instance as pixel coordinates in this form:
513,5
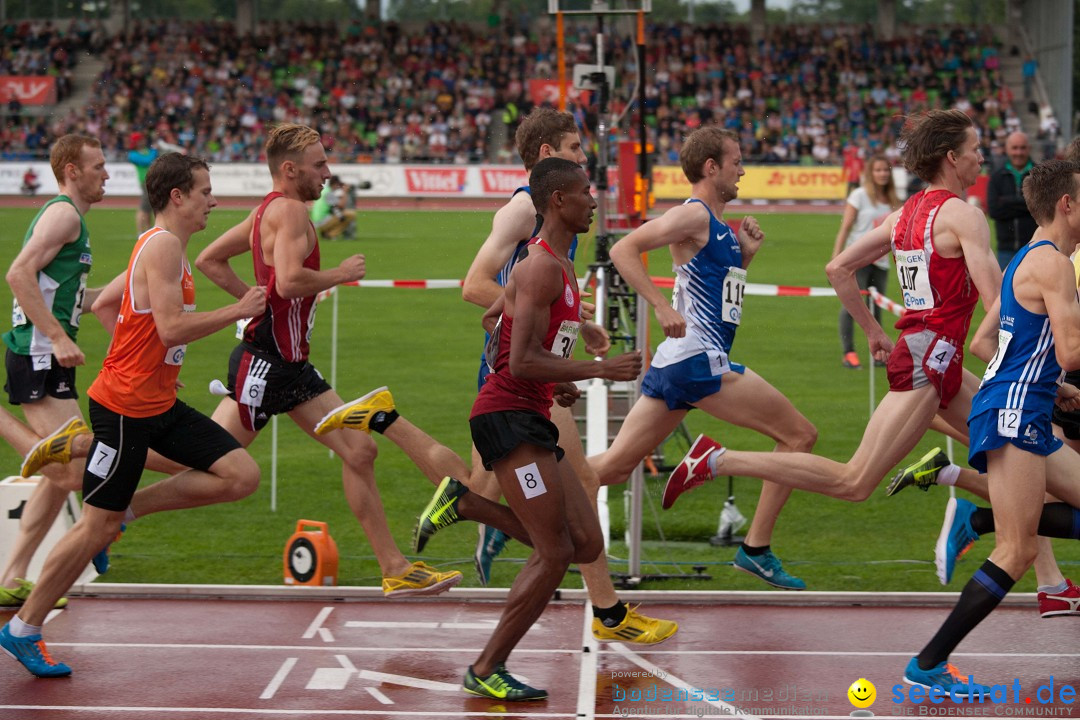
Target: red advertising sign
547,91
501,181
28,89
444,181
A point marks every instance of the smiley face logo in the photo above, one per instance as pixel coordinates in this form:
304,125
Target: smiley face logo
862,693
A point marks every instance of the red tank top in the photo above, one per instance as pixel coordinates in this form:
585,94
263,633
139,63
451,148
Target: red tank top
503,391
284,327
138,377
939,294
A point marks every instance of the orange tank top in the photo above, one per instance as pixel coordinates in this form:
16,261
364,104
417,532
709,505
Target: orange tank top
138,378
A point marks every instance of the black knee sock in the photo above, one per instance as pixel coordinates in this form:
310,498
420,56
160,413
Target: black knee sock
382,420
1058,520
980,596
612,616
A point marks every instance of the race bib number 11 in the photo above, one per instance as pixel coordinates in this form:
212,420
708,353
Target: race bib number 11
734,290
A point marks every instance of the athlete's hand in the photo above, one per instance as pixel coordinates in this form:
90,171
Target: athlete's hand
596,338
624,367
67,352
881,345
588,309
353,267
566,393
253,302
672,322
1068,397
750,236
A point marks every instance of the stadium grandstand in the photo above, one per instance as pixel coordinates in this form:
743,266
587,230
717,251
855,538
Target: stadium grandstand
450,92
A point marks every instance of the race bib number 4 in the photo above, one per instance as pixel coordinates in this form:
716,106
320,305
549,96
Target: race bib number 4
566,338
940,356
733,291
914,273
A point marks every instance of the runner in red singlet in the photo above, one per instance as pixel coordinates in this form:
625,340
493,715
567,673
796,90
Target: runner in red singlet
511,426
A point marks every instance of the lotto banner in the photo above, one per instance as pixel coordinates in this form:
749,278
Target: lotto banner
763,182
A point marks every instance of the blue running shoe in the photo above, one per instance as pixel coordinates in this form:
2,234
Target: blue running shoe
32,653
501,685
491,543
956,537
946,676
768,568
101,560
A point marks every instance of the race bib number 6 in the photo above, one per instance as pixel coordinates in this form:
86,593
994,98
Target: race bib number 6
733,291
914,275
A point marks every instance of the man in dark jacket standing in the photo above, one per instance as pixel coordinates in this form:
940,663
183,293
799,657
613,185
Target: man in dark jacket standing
1005,203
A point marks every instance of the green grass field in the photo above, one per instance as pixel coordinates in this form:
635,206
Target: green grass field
425,345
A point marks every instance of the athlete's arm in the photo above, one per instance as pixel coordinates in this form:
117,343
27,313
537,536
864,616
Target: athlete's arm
512,223
841,271
107,304
683,224
1058,285
58,226
750,238
213,261
984,342
846,223
969,225
538,283
156,281
290,226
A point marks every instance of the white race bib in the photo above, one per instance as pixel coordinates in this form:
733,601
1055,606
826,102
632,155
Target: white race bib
940,356
566,338
76,312
531,483
18,317
733,291
253,391
175,354
1004,338
914,273
1008,423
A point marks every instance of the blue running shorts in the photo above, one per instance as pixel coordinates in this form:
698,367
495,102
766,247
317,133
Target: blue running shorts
684,383
991,429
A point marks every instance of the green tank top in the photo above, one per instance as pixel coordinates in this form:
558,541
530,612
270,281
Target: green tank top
62,283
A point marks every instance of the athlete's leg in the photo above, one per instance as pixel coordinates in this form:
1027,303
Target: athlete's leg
556,544
647,424
357,451
42,508
894,429
236,478
747,400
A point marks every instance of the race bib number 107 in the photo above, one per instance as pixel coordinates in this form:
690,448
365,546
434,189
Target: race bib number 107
914,273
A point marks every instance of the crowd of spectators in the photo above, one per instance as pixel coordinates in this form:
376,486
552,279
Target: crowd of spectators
430,93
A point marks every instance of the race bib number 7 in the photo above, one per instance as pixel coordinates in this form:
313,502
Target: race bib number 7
914,273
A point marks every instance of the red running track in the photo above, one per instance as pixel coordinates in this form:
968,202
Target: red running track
187,659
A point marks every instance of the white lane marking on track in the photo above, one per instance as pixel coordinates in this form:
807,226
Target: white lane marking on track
586,702
407,681
317,623
402,625
664,676
374,692
326,635
279,677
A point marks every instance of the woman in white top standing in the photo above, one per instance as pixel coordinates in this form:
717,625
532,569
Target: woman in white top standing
867,206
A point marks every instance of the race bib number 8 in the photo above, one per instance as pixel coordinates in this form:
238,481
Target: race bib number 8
733,291
566,338
914,275
531,483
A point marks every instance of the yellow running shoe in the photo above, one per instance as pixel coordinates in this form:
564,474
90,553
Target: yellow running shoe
635,628
358,413
54,448
421,579
13,598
